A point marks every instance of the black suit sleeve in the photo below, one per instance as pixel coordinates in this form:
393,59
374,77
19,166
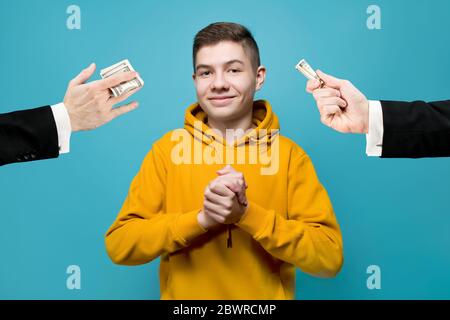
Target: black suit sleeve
28,135
416,129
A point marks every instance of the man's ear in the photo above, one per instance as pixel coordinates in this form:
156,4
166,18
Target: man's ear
193,76
260,77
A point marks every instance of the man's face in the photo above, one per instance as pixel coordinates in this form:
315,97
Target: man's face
225,80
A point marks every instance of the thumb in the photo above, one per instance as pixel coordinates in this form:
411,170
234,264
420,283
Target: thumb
225,170
330,81
83,76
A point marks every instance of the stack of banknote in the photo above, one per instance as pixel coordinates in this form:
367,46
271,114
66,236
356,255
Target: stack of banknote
122,66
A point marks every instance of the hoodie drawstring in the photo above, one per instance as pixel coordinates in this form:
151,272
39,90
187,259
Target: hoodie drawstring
229,241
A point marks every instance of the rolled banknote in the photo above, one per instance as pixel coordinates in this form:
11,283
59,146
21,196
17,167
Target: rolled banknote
308,72
122,66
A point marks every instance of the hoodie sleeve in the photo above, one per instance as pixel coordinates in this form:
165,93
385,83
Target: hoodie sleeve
143,230
310,237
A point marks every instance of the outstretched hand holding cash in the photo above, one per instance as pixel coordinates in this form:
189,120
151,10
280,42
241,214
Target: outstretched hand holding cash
91,105
341,106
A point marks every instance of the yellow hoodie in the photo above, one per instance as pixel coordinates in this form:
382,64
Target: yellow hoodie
289,221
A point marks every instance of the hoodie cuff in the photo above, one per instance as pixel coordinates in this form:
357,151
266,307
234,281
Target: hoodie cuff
255,219
187,227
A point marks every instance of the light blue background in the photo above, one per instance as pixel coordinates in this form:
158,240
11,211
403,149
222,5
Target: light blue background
393,213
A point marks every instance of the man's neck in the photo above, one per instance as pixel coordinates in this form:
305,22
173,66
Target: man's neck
238,127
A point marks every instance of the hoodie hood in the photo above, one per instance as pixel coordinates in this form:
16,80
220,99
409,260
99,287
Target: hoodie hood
266,122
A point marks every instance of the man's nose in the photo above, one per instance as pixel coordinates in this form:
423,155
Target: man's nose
220,82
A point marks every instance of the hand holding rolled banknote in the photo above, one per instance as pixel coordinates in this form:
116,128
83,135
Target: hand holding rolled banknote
122,66
341,105
92,104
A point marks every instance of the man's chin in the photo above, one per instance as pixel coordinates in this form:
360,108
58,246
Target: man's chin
226,113
222,112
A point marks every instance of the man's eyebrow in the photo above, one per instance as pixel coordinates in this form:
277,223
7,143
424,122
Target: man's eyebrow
202,66
226,63
234,61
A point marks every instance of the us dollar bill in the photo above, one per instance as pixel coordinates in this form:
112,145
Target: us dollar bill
122,66
307,71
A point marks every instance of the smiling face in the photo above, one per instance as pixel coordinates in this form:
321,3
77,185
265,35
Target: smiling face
226,81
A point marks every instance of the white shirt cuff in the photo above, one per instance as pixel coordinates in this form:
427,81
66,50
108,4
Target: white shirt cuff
374,139
62,126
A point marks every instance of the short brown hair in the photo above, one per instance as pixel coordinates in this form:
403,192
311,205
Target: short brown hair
227,31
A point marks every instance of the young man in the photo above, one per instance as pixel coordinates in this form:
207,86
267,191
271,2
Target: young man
236,231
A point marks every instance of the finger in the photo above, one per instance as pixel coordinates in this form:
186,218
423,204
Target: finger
239,192
83,76
312,85
241,179
213,197
326,92
237,188
244,202
236,179
114,80
114,113
330,81
212,207
104,95
227,169
242,199
234,174
220,189
124,97
332,110
233,186
217,217
332,101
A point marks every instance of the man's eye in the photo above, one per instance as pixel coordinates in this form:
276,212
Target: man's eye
235,70
205,73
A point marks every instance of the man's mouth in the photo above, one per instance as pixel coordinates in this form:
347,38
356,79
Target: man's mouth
220,101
